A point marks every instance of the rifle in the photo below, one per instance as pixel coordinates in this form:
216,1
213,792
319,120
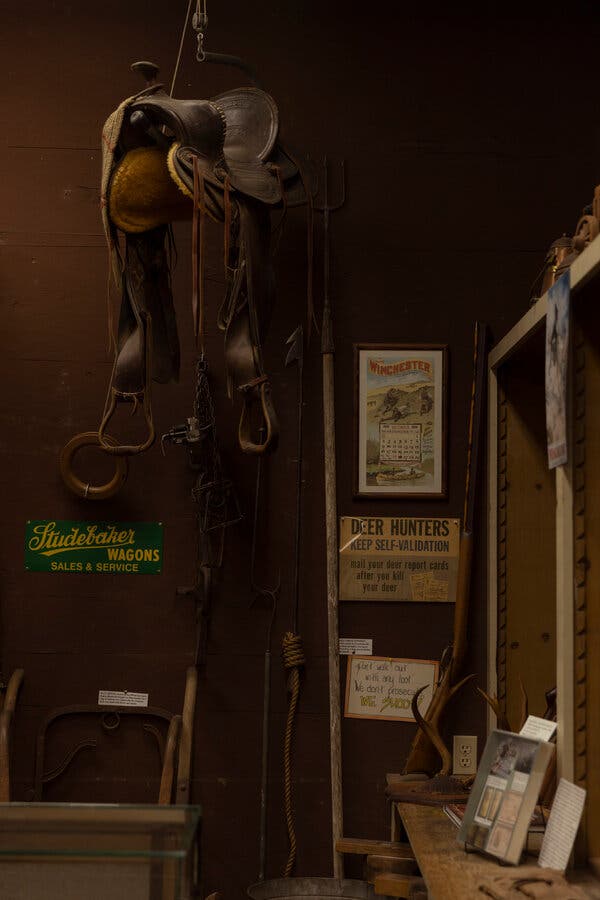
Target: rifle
428,742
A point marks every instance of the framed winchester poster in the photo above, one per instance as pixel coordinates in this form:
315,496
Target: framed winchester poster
400,420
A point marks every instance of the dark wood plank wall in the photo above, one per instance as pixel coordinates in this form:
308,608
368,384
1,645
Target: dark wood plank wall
471,142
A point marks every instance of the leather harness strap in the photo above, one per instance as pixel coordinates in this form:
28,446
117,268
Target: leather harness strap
198,229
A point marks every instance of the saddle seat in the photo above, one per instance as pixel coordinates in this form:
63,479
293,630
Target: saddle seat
233,137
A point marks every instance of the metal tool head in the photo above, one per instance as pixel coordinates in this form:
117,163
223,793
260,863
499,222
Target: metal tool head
323,202
296,342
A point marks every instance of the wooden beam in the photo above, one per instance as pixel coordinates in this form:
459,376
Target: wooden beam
366,847
397,885
378,864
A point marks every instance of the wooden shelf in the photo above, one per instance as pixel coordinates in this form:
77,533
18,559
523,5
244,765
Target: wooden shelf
450,872
544,536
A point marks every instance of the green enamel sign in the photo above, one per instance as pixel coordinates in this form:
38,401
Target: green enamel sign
93,547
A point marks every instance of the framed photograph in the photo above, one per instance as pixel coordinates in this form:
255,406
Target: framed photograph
400,413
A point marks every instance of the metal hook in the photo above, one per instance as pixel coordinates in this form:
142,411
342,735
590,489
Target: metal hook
199,24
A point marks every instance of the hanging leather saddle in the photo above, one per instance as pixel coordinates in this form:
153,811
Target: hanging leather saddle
166,159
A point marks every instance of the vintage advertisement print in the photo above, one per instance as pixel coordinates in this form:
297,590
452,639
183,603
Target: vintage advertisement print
113,548
387,558
400,419
381,688
557,360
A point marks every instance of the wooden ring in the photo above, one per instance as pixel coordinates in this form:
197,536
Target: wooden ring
79,487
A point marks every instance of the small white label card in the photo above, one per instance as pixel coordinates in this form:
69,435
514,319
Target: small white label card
350,646
562,826
122,698
538,729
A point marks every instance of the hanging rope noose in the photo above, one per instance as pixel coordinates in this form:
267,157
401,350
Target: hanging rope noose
293,660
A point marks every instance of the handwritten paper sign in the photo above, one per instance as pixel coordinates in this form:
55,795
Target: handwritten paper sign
381,688
385,558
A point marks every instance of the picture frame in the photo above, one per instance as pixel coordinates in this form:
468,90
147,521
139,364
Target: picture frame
400,412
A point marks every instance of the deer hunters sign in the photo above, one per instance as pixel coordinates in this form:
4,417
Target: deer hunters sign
111,548
387,558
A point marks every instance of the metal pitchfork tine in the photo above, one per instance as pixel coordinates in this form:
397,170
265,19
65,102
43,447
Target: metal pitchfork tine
326,207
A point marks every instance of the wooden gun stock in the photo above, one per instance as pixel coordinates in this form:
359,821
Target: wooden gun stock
428,745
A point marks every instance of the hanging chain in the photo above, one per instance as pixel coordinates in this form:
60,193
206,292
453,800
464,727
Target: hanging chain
213,492
199,23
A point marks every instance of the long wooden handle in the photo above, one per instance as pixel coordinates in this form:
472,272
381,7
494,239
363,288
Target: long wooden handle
184,762
461,608
335,728
168,769
6,715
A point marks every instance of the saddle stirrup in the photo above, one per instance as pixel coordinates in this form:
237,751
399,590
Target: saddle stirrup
138,399
268,429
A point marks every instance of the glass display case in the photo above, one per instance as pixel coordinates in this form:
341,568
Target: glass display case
98,851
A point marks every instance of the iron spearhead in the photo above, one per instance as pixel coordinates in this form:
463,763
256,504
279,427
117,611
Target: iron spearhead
296,351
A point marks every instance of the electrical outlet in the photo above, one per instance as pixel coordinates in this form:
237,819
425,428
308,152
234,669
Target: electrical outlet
465,754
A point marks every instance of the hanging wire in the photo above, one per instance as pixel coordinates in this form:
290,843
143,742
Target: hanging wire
180,51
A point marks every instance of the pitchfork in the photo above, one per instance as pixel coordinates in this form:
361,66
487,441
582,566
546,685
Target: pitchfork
327,350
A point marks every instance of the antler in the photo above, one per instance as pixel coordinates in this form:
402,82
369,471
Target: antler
431,729
503,722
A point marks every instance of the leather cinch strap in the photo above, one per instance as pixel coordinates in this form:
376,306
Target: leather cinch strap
198,229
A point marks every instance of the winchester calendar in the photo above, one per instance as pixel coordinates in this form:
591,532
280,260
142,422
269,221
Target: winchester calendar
400,420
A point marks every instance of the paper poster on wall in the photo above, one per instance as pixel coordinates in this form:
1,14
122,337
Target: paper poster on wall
400,414
557,360
378,687
112,548
386,558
